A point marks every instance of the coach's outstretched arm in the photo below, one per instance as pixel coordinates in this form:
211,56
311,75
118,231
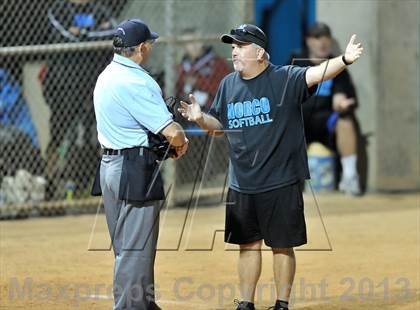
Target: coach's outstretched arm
332,67
193,113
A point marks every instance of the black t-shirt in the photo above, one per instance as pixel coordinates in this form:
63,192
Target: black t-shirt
262,120
322,100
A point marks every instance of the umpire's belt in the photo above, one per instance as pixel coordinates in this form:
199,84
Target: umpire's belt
140,180
140,150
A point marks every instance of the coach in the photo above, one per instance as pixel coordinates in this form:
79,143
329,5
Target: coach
259,108
128,106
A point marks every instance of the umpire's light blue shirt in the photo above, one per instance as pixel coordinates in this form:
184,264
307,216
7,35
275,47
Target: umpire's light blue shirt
128,102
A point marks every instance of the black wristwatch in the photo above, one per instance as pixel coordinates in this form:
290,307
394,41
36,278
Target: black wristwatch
343,58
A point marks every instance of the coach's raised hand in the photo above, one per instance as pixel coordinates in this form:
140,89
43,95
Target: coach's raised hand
353,50
332,67
191,112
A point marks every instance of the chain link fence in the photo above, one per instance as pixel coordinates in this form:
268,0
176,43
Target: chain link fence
52,52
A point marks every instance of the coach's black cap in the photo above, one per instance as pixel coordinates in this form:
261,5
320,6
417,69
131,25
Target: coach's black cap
246,33
318,30
133,32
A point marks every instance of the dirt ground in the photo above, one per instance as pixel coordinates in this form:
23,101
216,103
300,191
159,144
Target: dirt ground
362,254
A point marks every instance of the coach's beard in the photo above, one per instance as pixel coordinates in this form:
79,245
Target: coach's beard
238,65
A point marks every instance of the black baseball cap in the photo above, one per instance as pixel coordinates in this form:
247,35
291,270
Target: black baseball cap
133,32
318,30
246,33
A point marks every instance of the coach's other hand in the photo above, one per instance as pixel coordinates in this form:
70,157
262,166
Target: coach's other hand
191,112
353,50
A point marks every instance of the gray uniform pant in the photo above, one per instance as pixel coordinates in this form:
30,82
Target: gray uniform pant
134,232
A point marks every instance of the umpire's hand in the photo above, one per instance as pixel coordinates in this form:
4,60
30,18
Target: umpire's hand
175,135
181,150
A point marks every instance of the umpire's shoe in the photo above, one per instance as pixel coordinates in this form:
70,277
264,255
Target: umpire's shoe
244,305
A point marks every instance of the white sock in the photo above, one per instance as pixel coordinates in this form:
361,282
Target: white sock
349,166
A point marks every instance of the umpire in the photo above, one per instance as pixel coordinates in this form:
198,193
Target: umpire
129,107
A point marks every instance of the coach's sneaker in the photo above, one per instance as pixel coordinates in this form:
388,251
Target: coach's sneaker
350,185
280,305
244,305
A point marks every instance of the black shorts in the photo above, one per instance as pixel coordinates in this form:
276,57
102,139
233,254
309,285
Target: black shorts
276,216
320,127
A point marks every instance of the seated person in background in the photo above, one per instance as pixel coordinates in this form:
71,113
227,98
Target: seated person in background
20,156
200,72
329,114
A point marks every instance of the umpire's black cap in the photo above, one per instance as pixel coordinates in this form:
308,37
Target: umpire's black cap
133,32
246,33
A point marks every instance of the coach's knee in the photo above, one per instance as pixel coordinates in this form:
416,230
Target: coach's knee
284,251
251,246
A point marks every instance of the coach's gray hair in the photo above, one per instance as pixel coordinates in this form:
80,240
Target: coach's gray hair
266,55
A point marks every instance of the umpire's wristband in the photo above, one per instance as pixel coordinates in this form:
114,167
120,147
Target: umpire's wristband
343,58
